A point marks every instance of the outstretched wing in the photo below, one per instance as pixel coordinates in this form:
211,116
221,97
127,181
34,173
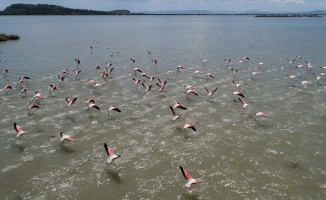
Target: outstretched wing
185,173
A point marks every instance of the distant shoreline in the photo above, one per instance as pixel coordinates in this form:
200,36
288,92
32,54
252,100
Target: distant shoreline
46,9
5,37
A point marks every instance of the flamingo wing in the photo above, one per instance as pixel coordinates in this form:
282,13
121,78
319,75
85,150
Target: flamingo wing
17,128
185,173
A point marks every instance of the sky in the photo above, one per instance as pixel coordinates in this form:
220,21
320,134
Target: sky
211,5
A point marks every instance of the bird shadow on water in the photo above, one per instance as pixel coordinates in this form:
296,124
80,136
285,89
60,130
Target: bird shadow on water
114,175
19,147
66,149
189,196
71,119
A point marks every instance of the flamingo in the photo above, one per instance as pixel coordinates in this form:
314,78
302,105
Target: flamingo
210,92
234,70
306,83
261,114
136,69
77,61
65,137
209,75
191,91
318,77
93,105
179,105
52,87
70,102
145,75
154,61
21,79
32,105
299,56
61,78
180,67
38,95
64,71
244,104
7,86
191,126
227,61
190,181
255,73
112,156
20,132
147,88
114,108
132,61
136,80
24,89
261,63
174,113
291,61
238,93
293,75
108,64
5,71
238,84
77,72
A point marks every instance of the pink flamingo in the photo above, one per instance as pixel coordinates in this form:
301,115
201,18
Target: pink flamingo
190,181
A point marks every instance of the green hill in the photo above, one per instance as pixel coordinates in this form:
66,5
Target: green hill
45,9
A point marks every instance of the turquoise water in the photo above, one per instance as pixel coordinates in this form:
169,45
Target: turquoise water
243,156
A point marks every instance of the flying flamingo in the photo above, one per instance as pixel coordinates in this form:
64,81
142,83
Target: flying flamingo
77,72
238,84
7,86
179,105
112,156
210,92
209,75
70,102
61,78
20,132
77,61
38,95
234,70
21,79
24,89
190,181
93,105
64,71
32,105
52,88
136,69
290,61
227,61
191,91
114,108
238,93
180,67
191,126
261,114
306,83
154,61
174,113
244,104
66,137
147,88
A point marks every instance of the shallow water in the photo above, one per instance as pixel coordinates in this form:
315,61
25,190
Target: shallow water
244,156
